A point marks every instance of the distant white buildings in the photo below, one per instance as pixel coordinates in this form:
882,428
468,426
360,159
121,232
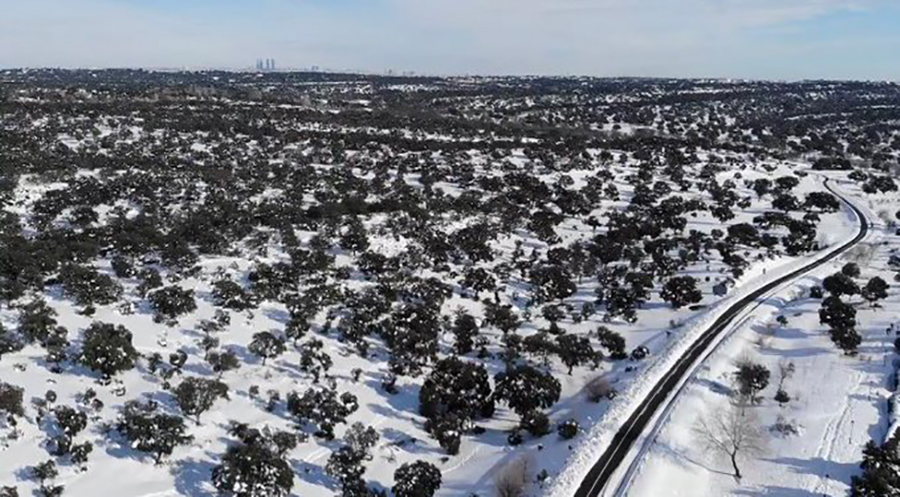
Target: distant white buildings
264,65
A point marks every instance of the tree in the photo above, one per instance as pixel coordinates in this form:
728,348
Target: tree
574,350
87,286
785,202
836,314
786,183
11,400
881,470
457,387
552,282
37,321
223,361
540,345
680,291
323,407
839,284
107,349
752,378
613,342
841,319
346,466
731,432
253,470
851,269
149,430
70,422
197,395
313,359
172,301
412,335
875,290
524,389
43,472
361,438
419,479
266,345
465,329
762,186
823,201
501,317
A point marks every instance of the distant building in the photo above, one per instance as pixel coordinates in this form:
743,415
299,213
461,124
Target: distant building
266,64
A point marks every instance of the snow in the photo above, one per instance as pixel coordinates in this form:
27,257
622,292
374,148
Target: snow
838,403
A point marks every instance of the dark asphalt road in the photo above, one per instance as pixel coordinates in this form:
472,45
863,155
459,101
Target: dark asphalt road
598,477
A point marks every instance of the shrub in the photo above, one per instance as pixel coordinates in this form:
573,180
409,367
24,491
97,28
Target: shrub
568,429
513,479
598,388
535,422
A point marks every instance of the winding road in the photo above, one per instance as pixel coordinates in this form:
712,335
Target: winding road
598,478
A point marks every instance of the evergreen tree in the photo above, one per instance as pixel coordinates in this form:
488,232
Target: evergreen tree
881,470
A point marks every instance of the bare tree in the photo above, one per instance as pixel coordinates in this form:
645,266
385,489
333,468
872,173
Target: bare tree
733,432
786,371
514,478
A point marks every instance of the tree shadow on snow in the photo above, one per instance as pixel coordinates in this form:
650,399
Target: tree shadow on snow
192,476
818,467
314,475
686,461
775,490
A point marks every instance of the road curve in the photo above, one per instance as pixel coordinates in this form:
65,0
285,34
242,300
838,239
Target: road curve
598,477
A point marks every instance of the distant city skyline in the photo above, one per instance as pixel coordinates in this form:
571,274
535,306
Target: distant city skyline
741,39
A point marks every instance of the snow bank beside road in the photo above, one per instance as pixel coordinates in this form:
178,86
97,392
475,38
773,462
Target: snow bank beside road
592,446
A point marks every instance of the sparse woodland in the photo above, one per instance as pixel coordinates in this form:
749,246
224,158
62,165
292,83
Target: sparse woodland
318,284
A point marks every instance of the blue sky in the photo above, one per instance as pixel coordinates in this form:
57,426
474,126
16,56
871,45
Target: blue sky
764,39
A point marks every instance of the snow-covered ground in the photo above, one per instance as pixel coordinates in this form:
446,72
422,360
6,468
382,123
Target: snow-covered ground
838,402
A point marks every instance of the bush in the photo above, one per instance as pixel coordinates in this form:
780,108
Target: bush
515,437
535,422
568,429
513,479
784,427
782,397
640,353
599,388
816,292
